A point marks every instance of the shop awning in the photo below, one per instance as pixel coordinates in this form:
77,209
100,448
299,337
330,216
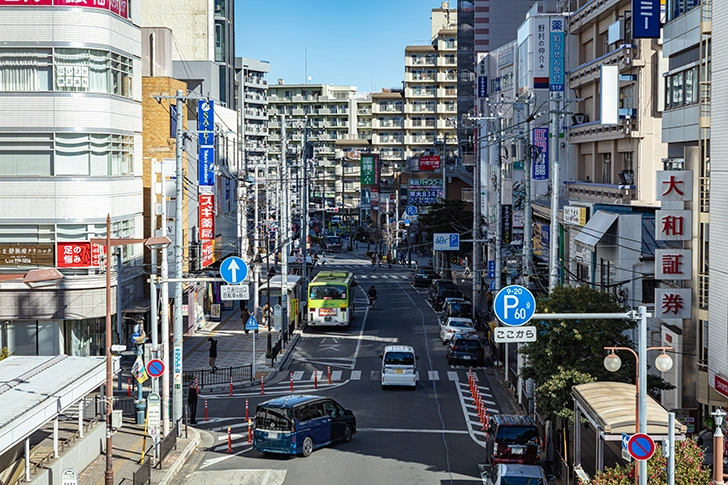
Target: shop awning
594,230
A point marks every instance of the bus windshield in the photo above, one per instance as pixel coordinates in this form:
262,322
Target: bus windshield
329,292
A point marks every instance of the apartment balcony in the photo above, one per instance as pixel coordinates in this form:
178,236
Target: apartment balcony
298,112
447,62
414,109
364,112
447,77
388,124
419,61
255,81
703,290
594,131
389,141
252,114
600,193
421,140
589,72
590,13
253,130
255,99
417,78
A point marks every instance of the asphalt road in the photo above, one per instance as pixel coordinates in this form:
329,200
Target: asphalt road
430,435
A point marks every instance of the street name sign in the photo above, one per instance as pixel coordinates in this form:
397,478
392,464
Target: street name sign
233,270
514,305
641,446
235,292
504,335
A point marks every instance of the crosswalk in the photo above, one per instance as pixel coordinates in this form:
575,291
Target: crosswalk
458,374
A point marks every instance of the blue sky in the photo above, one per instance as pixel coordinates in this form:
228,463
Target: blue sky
349,42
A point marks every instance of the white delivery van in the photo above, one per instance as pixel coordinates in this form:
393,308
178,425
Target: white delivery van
399,366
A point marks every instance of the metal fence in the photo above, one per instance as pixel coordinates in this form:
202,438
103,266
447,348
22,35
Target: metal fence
168,444
243,373
143,475
275,350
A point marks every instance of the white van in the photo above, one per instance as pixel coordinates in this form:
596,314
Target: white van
399,366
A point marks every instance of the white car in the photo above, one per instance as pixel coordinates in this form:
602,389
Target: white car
399,366
454,325
507,473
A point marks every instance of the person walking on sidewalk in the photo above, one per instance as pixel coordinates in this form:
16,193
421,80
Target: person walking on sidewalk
266,314
192,402
244,317
323,259
389,258
374,262
213,353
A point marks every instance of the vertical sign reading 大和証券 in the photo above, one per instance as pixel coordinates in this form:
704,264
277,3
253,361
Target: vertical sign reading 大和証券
206,138
556,57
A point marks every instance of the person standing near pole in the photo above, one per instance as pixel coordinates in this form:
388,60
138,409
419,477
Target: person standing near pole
244,317
192,402
213,353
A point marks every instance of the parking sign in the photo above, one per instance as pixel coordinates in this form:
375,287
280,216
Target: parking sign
514,305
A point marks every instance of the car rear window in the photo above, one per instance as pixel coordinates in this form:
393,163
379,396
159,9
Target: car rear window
460,324
466,344
276,419
450,292
461,310
517,435
399,358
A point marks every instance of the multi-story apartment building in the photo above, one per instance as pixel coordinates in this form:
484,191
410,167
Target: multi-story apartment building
204,43
253,109
70,153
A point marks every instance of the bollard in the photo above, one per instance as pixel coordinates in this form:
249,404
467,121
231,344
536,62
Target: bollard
128,388
250,432
246,410
329,372
315,379
262,384
230,441
207,416
231,385
291,381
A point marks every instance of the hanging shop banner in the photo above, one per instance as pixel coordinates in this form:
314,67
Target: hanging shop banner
540,51
507,223
556,57
646,19
367,170
77,254
205,115
207,253
207,216
540,160
206,166
429,162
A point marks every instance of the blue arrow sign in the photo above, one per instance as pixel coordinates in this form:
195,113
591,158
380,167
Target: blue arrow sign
514,305
251,324
233,270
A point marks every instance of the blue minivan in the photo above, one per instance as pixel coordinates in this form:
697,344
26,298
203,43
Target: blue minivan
299,424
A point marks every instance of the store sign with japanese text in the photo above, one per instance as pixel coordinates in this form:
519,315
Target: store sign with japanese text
27,255
207,216
424,191
673,264
540,155
673,303
367,169
78,254
507,223
118,7
206,152
207,253
429,162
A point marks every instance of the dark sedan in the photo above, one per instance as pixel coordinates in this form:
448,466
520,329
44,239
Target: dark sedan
466,349
422,278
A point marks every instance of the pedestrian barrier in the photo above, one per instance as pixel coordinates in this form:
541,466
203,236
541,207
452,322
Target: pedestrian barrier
168,444
143,474
205,377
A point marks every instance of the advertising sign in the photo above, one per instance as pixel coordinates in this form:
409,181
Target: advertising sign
374,201
429,162
26,254
367,170
207,253
574,215
206,165
424,191
482,86
540,52
207,216
77,254
118,7
506,223
646,19
377,169
205,115
177,367
556,58
540,161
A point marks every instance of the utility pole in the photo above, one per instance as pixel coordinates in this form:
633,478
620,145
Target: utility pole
555,108
164,317
499,196
475,260
306,153
527,215
256,243
283,227
178,242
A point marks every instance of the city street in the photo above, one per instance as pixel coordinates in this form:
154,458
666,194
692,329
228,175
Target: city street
429,435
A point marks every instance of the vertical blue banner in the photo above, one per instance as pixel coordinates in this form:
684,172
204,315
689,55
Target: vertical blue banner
206,164
540,163
206,138
557,68
205,115
646,19
482,86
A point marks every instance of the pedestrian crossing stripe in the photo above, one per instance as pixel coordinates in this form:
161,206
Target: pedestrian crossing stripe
356,375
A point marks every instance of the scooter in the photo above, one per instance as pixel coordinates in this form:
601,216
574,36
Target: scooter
372,301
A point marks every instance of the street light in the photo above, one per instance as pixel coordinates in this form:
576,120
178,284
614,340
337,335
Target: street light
612,363
718,416
108,243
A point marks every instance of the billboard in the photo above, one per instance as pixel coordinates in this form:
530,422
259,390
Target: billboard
424,191
77,254
429,162
369,169
646,19
540,160
556,58
207,216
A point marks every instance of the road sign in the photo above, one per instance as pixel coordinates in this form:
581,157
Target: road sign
491,269
411,210
446,242
514,305
625,449
502,335
251,324
233,270
235,292
178,367
406,221
641,446
69,477
154,413
155,368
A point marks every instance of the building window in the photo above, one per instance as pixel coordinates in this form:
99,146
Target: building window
677,90
449,43
582,273
26,70
606,168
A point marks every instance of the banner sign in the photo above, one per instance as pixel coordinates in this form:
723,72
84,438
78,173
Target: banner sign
206,166
507,223
429,162
205,115
78,254
207,216
646,19
367,170
424,191
118,7
27,255
556,59
377,169
540,163
207,253
206,139
540,52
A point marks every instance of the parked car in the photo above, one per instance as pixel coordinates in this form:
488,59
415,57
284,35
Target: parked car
512,438
423,277
455,325
456,307
441,289
465,348
299,424
399,366
333,244
509,474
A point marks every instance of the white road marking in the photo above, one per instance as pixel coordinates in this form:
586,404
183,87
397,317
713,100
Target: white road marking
335,375
298,375
433,375
463,391
233,436
453,375
215,461
355,375
402,430
319,374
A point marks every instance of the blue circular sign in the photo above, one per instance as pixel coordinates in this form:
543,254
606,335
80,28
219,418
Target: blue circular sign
514,305
233,270
411,210
155,368
641,446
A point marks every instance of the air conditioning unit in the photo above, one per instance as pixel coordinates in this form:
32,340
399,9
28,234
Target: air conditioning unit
579,119
615,32
466,195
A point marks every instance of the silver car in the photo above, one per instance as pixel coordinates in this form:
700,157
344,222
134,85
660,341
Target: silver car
454,325
512,474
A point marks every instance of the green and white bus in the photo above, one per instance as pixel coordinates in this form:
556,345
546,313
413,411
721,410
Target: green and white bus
331,299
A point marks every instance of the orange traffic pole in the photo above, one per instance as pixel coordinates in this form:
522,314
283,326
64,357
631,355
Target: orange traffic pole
329,372
315,379
246,410
230,441
291,381
207,416
250,432
262,384
128,387
231,385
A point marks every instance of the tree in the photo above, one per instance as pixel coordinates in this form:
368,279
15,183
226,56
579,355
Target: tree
449,216
689,468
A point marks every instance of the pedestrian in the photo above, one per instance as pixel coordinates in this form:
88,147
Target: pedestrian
323,259
374,262
244,317
315,259
266,314
213,353
192,402
389,258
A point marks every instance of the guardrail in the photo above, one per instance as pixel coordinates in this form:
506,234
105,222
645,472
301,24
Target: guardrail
243,373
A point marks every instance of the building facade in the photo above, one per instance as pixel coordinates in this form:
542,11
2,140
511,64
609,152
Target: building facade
70,155
253,110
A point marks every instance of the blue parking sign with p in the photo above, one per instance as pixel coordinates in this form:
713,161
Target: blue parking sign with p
514,305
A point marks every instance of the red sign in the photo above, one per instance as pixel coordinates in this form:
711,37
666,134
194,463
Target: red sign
118,7
721,386
207,253
207,216
25,2
429,162
77,254
641,446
